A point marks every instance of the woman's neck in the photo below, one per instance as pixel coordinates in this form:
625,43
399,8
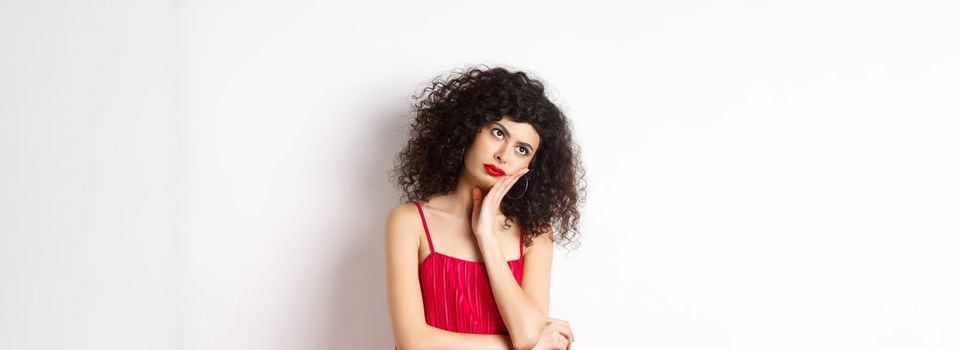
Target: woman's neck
460,201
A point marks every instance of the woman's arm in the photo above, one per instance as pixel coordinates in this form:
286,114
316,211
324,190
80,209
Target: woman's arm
411,331
523,307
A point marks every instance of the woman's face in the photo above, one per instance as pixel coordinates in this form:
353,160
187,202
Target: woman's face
500,148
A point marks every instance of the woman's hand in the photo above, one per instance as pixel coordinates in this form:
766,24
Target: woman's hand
556,335
486,206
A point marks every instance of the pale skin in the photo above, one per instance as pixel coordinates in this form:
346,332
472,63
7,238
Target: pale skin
467,223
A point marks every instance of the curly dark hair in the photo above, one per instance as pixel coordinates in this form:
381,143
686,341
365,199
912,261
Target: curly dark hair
446,117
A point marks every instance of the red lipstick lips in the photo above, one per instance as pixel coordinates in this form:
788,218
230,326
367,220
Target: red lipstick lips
493,170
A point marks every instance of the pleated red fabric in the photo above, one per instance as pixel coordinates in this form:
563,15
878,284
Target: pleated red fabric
457,293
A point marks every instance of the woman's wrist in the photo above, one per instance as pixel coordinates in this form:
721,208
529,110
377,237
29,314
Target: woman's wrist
487,239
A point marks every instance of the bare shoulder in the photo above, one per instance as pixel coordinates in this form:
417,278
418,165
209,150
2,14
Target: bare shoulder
401,211
543,241
400,223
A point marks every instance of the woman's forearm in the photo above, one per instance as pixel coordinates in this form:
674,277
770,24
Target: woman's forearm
431,338
522,317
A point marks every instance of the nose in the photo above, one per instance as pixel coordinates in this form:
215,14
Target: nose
499,156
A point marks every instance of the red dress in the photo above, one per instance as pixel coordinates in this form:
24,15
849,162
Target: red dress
457,293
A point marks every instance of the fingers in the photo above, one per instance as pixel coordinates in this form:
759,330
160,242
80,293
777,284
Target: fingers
561,335
564,330
564,325
563,342
504,184
492,200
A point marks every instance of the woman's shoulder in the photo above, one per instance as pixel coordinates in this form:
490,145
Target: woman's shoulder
402,212
402,220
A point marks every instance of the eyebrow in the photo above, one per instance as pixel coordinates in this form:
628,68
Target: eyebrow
522,143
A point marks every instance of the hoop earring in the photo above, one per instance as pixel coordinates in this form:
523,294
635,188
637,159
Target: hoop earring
522,193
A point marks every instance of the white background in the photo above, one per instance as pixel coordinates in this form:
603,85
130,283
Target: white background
213,174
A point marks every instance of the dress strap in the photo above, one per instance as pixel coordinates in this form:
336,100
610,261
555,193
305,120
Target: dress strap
424,221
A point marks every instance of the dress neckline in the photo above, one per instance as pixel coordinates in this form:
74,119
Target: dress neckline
462,260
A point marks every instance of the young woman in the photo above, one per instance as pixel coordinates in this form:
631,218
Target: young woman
487,150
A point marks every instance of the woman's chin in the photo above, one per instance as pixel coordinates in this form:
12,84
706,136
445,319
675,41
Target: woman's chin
486,181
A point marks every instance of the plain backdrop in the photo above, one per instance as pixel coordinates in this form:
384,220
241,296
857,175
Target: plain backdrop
214,174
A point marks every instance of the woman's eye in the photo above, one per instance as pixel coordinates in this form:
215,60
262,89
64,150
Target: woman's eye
497,132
